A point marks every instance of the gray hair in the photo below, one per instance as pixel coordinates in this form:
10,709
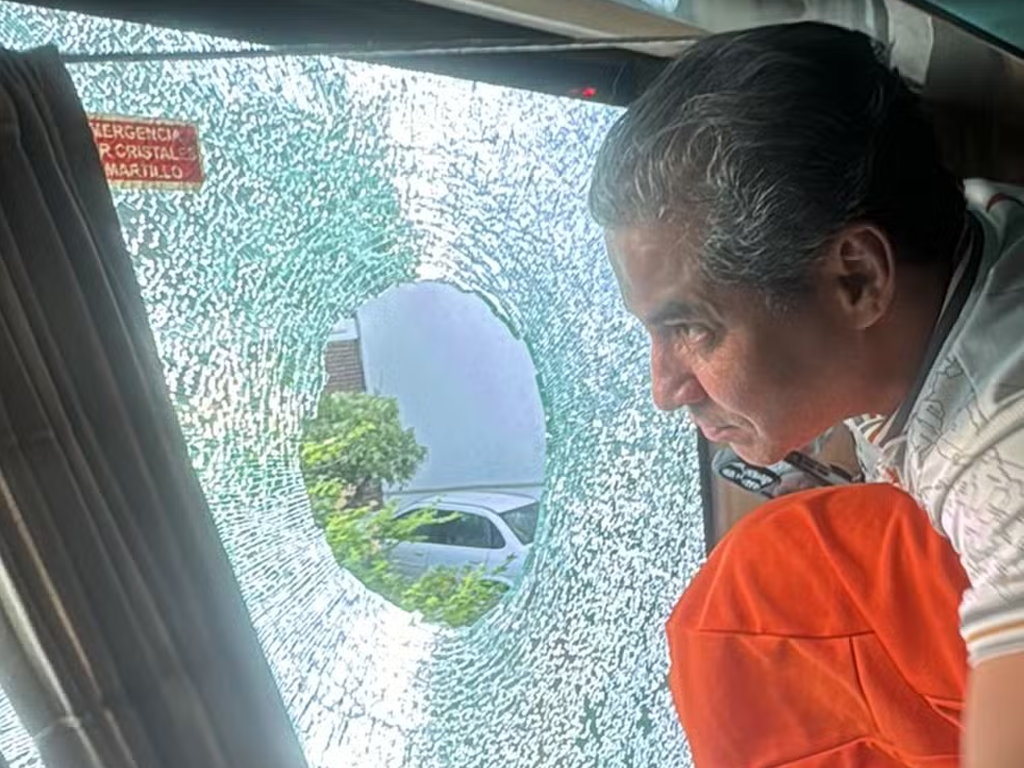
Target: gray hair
772,140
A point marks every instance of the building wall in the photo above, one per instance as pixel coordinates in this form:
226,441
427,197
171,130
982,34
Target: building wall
463,383
344,365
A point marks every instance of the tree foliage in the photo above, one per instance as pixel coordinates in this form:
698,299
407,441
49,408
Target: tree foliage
353,445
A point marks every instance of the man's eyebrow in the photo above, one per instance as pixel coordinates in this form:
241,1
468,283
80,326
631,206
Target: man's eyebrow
674,310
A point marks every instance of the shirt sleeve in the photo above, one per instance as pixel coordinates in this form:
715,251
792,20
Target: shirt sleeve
983,515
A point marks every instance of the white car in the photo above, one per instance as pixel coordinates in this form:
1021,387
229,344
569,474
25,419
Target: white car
489,529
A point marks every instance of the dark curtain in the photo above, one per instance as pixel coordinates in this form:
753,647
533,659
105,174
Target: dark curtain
124,638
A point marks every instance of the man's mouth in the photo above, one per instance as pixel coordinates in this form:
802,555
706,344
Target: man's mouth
715,433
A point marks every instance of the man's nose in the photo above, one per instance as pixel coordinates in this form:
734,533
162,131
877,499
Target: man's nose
673,383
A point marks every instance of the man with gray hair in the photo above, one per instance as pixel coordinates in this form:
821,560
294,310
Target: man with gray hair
779,219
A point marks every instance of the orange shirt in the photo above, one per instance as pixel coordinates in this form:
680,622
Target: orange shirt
823,631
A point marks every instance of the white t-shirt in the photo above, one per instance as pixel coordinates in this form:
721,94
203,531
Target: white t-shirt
957,444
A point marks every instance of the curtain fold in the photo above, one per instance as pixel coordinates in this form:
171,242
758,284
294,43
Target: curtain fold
124,638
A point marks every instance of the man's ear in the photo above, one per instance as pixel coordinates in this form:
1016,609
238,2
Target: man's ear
859,271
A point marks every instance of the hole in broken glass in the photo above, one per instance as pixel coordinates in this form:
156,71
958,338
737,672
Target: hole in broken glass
424,462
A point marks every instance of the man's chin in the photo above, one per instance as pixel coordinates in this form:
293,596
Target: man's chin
757,454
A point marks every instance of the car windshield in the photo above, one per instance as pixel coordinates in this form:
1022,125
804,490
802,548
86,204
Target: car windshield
522,521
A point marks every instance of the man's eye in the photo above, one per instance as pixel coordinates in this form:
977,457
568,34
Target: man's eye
691,332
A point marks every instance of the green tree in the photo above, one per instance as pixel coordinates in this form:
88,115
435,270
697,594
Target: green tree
353,445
